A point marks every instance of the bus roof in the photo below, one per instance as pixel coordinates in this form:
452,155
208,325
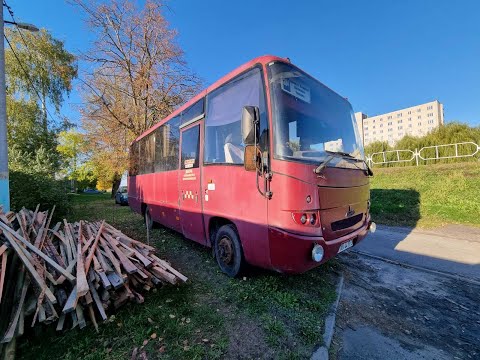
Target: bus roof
265,59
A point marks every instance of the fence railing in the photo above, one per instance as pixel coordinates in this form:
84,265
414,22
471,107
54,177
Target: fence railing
467,149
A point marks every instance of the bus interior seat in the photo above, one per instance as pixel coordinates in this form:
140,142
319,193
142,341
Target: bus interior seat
233,152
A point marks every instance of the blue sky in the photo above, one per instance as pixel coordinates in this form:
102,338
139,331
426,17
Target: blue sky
382,55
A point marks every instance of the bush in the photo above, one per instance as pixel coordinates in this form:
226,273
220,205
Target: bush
30,189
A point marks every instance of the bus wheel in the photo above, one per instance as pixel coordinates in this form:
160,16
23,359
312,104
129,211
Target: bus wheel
148,219
228,250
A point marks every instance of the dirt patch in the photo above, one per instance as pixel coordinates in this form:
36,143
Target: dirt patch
419,310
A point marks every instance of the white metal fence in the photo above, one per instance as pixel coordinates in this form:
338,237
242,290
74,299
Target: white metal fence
460,150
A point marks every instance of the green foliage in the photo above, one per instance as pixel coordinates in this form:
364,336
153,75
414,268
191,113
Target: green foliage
49,66
427,196
447,134
26,134
72,148
27,189
32,182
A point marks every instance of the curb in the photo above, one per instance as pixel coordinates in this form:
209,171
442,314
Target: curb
322,352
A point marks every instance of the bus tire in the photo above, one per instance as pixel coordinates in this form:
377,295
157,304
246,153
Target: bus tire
228,250
149,224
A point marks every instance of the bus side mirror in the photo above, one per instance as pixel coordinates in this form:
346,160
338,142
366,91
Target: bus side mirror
252,158
250,125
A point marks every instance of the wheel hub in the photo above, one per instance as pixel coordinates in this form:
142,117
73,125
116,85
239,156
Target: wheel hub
225,249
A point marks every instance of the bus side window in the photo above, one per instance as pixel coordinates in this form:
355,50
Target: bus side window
190,148
223,139
133,171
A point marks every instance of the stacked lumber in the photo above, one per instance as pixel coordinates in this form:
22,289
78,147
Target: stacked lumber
69,273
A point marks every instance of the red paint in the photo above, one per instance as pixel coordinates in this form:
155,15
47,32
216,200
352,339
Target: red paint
270,236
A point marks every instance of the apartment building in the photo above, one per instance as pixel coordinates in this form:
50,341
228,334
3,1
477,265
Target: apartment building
391,127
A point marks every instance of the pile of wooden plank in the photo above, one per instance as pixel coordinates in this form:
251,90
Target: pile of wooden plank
70,273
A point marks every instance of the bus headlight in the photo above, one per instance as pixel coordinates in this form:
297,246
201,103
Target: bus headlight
317,253
372,227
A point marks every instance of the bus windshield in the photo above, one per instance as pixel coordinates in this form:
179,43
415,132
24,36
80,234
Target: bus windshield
310,120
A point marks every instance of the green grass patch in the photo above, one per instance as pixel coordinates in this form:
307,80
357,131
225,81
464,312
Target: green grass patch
427,196
203,318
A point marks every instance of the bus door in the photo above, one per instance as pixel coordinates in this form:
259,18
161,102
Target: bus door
189,183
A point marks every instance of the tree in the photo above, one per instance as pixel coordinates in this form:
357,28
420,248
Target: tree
139,76
44,69
72,148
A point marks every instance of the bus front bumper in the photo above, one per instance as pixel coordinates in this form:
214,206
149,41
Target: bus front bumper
292,253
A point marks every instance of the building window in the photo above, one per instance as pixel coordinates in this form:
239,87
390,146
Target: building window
374,126
419,116
400,121
409,112
381,131
400,127
381,119
419,124
399,115
390,123
381,125
374,133
429,107
409,125
390,130
366,127
389,117
409,119
418,110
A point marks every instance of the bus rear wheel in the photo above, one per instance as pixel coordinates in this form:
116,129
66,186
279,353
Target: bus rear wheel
228,250
148,219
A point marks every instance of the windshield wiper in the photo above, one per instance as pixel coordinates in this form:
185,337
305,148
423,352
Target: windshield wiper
324,163
334,154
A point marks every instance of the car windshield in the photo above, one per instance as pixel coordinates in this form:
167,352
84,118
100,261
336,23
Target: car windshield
310,120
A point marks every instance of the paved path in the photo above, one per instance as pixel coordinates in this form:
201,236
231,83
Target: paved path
454,249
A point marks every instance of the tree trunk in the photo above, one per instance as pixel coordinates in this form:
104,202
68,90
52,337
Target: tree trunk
115,184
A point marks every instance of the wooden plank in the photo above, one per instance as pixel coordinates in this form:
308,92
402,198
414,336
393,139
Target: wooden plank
167,266
80,317
103,262
163,274
146,262
104,280
110,255
37,252
82,285
71,303
97,301
3,248
61,322
69,269
91,314
125,239
115,280
3,272
30,267
129,267
10,333
88,261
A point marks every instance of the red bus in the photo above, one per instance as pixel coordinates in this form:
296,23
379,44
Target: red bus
265,166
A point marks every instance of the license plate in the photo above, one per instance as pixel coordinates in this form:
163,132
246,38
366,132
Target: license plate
345,246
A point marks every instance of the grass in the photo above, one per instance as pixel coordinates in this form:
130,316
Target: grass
262,315
427,196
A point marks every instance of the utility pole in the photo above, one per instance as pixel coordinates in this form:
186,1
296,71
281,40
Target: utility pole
4,185
4,182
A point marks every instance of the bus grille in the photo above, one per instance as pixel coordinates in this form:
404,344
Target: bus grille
346,223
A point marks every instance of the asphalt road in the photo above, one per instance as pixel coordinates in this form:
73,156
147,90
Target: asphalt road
454,249
389,311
